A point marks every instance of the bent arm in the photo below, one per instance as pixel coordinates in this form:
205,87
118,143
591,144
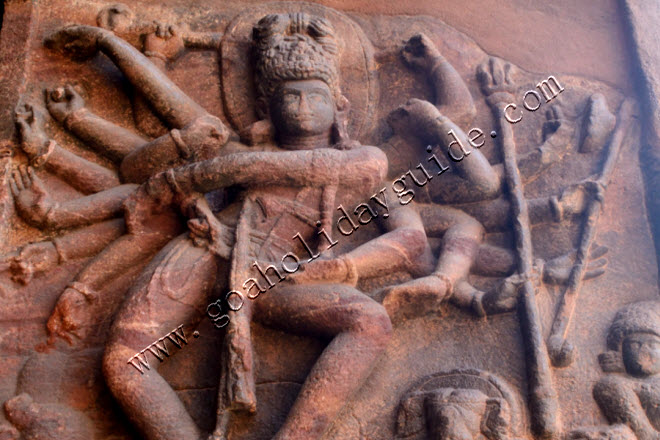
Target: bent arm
452,96
474,178
151,158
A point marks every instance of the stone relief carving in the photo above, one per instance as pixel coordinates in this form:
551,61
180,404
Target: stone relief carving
628,393
194,203
466,404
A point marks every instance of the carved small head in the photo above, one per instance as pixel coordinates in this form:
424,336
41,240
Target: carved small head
635,333
297,77
464,414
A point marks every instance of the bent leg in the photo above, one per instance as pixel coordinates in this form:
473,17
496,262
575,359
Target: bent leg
171,291
359,328
620,403
462,237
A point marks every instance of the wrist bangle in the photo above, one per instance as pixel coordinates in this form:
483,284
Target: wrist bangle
41,159
352,273
170,178
73,117
184,151
48,220
89,294
448,283
152,54
478,304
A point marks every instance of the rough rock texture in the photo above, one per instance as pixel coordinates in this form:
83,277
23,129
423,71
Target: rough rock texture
416,313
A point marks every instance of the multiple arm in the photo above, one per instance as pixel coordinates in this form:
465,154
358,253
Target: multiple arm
170,102
80,173
110,140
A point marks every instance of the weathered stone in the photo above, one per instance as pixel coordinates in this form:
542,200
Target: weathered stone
395,228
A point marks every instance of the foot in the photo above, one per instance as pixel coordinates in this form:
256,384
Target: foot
414,298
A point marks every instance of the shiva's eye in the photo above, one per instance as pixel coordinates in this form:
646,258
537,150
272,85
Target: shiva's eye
290,99
317,98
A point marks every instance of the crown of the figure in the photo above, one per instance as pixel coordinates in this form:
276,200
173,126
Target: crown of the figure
641,317
294,47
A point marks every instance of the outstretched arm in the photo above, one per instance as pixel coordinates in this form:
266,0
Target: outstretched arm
363,167
36,258
110,140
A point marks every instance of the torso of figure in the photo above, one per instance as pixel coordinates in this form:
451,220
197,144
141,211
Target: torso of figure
267,219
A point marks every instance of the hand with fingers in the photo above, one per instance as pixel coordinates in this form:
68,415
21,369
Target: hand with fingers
166,42
497,78
62,102
558,270
32,201
554,118
575,198
420,53
30,122
30,260
71,317
206,230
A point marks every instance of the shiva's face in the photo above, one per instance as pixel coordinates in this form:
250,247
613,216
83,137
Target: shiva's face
641,354
303,108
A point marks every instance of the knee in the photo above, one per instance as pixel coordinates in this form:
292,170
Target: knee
116,368
612,393
415,242
374,323
465,228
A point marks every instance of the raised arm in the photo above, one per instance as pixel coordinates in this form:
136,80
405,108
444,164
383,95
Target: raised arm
68,107
170,102
452,97
473,176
